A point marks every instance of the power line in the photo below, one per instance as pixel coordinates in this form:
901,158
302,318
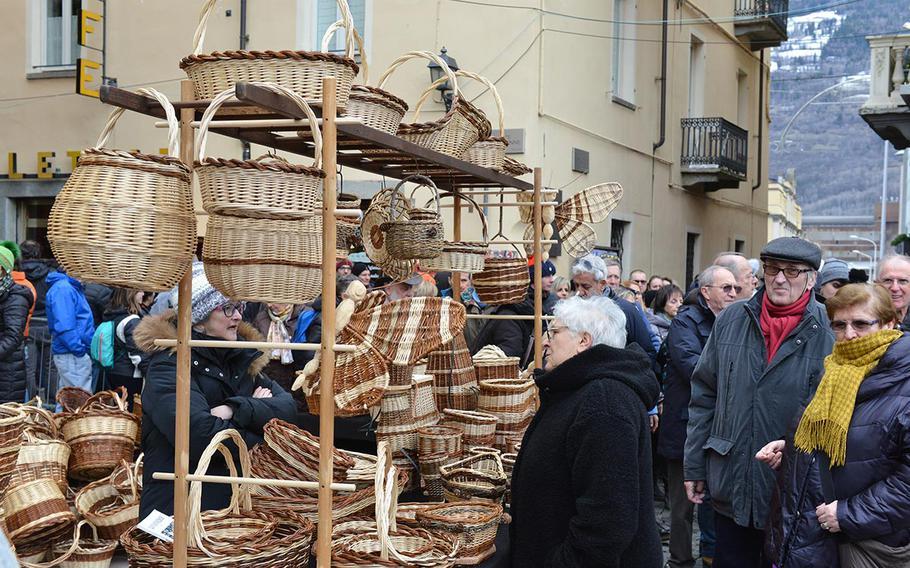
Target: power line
70,93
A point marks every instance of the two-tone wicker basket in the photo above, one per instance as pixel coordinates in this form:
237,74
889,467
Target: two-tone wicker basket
110,512
78,552
462,256
478,428
41,458
473,523
513,402
374,238
454,378
420,235
126,218
36,511
491,363
479,476
502,281
100,434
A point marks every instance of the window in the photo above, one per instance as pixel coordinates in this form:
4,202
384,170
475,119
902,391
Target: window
619,237
53,28
691,256
739,246
696,78
327,13
624,13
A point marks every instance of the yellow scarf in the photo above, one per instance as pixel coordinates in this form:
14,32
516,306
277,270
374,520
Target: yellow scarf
826,420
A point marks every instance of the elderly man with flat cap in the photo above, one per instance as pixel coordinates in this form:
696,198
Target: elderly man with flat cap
761,364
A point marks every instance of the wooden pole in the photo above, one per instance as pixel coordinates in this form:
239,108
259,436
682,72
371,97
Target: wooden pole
327,354
538,271
184,324
226,479
456,233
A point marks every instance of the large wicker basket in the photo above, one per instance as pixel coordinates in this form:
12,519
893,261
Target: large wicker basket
502,281
268,187
491,363
454,378
41,458
457,130
512,402
419,235
374,238
462,256
473,523
299,71
126,218
100,434
478,476
264,260
36,511
79,552
110,512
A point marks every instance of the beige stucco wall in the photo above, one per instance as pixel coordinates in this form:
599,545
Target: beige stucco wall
556,86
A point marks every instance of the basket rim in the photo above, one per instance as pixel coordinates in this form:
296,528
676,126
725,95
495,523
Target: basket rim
271,166
246,55
494,511
392,99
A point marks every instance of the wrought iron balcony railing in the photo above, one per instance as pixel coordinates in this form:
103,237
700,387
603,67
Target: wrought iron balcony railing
774,10
714,145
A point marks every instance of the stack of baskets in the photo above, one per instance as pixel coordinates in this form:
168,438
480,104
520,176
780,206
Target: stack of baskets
264,236
101,434
436,446
404,409
512,402
454,377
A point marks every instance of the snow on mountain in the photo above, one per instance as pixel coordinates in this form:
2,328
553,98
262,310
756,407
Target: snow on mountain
809,34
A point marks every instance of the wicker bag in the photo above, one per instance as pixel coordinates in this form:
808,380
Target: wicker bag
418,236
454,378
264,260
299,71
462,256
457,130
238,536
268,187
100,434
103,505
478,428
126,218
36,511
502,281
473,523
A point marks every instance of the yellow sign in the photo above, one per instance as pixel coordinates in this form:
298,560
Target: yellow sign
88,81
90,65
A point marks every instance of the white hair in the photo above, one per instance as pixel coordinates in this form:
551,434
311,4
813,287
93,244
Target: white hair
708,276
598,316
590,264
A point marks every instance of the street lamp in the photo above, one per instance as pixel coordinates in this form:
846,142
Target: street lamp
436,73
874,251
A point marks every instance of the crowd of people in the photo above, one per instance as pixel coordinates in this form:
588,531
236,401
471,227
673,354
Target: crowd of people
768,398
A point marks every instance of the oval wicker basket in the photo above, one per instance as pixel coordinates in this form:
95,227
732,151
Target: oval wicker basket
100,434
374,237
473,523
478,428
77,552
110,512
126,218
491,363
502,281
264,260
418,236
268,187
479,476
299,71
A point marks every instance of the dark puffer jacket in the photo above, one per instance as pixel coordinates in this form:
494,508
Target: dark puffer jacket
581,486
14,306
36,271
873,486
219,376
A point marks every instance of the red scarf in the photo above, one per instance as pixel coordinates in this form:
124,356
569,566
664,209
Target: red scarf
778,321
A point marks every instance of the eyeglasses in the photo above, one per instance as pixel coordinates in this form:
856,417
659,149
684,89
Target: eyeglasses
553,330
229,309
840,326
640,281
727,288
888,282
789,272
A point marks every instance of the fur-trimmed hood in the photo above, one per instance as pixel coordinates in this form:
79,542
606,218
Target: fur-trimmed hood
164,326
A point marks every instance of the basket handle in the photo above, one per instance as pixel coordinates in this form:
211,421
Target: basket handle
45,415
483,218
351,36
385,485
173,127
114,399
429,55
199,36
423,180
66,555
470,75
240,494
209,114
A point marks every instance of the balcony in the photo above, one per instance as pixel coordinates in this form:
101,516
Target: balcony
761,23
886,111
715,154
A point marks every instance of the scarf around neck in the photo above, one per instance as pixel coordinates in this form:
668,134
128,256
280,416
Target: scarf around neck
278,333
778,321
826,420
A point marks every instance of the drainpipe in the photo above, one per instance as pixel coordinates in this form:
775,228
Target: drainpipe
244,38
663,76
761,116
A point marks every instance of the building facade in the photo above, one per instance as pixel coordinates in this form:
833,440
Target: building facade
785,216
594,90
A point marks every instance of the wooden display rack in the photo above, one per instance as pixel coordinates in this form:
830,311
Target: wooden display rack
274,120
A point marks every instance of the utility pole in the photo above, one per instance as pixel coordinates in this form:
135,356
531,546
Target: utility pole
881,237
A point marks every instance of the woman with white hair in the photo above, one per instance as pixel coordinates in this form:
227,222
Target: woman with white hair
581,486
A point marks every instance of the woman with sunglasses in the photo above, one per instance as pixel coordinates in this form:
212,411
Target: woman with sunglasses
844,480
227,390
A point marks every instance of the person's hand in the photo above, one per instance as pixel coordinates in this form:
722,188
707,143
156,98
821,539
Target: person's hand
695,491
827,516
655,421
262,392
772,453
223,412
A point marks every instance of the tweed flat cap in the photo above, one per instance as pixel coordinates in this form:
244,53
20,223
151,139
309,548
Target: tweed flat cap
793,249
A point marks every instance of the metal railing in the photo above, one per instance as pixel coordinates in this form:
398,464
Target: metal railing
714,143
774,10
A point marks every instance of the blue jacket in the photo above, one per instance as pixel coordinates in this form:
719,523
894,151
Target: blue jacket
69,317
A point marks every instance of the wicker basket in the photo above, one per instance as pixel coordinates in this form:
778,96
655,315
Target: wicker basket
513,402
418,236
478,476
473,523
38,421
423,402
436,440
457,130
374,237
491,363
78,552
72,398
502,281
100,434
478,428
268,187
396,424
417,547
299,71
102,504
127,477
515,168
400,375
264,260
454,379
40,458
462,256
126,218
36,511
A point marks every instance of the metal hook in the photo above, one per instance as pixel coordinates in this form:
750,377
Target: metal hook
501,209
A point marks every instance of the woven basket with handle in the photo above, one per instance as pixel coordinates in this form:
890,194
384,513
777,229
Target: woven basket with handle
421,234
107,509
513,402
126,218
36,511
100,434
473,523
299,71
41,457
479,476
462,256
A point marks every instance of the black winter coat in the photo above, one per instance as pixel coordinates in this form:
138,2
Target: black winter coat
36,272
14,306
512,336
581,486
219,376
636,327
98,297
872,487
688,334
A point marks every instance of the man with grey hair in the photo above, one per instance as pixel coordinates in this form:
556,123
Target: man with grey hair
894,274
589,274
742,271
761,364
581,486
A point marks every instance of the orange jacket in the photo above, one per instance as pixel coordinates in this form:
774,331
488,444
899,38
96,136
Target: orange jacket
19,278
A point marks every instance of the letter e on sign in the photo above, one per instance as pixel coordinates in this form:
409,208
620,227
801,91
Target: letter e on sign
88,81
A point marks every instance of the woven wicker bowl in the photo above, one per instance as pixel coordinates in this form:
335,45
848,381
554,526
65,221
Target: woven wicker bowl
473,523
264,260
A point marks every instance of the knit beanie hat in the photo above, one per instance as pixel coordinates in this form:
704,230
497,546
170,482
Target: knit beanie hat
7,259
205,297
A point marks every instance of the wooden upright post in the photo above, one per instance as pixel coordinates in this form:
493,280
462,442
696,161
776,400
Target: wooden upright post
327,353
184,324
538,271
456,234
